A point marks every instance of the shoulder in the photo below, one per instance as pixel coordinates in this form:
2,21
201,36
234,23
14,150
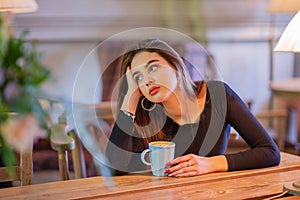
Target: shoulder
199,85
220,86
221,90
217,85
215,88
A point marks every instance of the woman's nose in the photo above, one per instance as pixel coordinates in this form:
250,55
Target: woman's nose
148,81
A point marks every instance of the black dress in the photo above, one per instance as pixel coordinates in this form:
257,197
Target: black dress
208,137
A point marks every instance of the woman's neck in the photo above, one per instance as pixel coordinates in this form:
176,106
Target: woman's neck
183,109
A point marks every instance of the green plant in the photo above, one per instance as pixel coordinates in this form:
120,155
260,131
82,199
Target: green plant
21,74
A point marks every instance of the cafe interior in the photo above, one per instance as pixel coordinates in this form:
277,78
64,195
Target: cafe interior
243,43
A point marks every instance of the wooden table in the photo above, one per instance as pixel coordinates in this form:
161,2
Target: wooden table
289,90
246,184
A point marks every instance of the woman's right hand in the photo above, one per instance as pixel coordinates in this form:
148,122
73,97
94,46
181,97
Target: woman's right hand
133,94
133,89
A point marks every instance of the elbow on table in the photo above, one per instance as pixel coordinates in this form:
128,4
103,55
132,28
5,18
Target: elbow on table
275,157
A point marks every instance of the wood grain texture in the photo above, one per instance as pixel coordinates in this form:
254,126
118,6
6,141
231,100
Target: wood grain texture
246,184
23,169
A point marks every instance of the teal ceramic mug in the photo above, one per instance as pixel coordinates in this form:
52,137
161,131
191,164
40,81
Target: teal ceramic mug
160,152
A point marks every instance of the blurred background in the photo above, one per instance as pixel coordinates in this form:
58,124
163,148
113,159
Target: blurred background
239,36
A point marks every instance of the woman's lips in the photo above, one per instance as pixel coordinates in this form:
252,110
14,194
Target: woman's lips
153,90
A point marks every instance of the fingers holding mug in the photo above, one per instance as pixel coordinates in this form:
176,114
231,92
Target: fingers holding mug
181,166
180,160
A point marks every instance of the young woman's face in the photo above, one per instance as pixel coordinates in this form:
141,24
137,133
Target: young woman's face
155,77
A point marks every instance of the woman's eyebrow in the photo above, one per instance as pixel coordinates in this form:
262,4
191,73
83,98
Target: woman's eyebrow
148,63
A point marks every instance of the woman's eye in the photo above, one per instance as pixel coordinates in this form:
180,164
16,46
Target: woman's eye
138,78
152,68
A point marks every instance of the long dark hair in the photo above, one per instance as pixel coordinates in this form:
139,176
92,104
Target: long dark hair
149,123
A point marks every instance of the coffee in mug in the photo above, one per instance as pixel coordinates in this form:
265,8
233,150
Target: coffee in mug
160,152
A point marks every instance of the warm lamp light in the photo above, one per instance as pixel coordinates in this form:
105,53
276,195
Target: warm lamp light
278,6
290,38
284,6
9,7
18,6
290,42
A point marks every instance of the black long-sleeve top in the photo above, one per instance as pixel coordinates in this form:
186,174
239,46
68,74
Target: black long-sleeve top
208,137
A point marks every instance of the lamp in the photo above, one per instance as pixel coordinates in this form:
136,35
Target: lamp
290,42
290,38
278,6
18,6
9,7
284,6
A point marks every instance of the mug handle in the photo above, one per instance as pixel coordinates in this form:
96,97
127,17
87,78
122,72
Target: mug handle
143,157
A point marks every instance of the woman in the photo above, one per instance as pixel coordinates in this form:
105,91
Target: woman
159,101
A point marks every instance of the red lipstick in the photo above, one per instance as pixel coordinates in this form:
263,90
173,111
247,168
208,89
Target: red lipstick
154,90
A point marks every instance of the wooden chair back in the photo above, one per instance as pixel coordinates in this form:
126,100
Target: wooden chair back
23,169
63,142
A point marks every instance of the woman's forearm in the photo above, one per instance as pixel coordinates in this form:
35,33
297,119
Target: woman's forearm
130,103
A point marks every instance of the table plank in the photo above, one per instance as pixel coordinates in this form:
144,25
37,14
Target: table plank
139,183
256,186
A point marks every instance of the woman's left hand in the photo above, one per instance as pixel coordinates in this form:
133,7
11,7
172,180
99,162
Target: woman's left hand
190,165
